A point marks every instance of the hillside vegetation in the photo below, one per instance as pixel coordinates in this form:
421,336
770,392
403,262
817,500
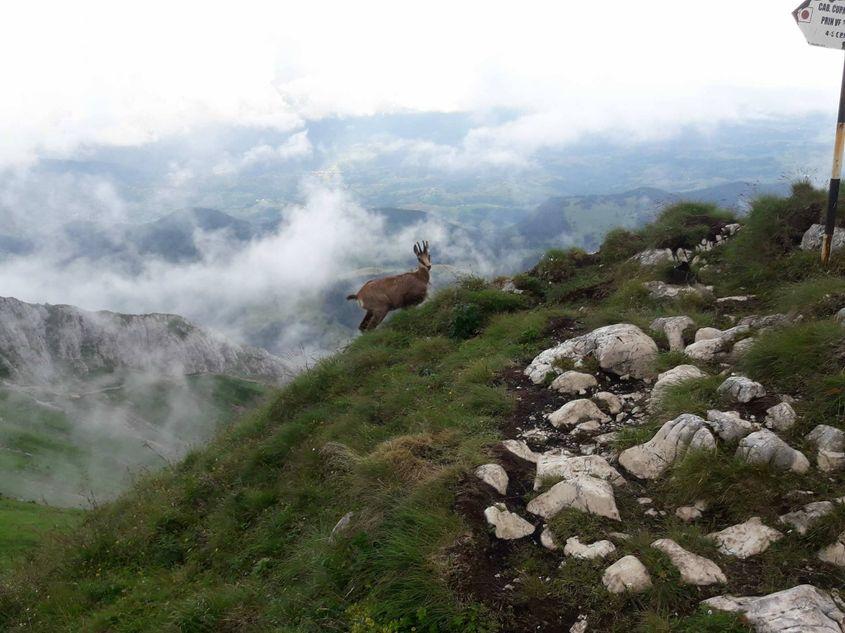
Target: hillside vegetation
240,535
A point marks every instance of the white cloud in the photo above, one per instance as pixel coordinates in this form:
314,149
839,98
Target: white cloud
104,72
297,146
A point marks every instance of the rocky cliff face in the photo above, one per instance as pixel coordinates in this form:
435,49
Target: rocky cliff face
40,344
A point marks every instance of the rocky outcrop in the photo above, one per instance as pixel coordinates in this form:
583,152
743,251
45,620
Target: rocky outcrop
627,575
45,344
650,460
746,539
661,290
654,257
764,447
694,569
801,609
621,349
585,493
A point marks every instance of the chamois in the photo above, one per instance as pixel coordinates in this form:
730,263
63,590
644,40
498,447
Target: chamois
380,296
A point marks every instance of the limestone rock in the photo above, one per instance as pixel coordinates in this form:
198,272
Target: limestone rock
572,382
746,539
728,425
812,240
740,349
551,466
695,569
599,549
579,627
798,610
703,440
840,317
627,574
688,514
586,428
675,376
520,449
834,554
494,476
780,417
585,493
662,290
801,520
609,402
764,447
712,342
707,334
575,412
547,539
673,328
650,460
830,462
828,438
741,389
509,526
622,349
654,256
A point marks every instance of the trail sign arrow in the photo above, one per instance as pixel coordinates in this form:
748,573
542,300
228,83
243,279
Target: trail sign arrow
823,24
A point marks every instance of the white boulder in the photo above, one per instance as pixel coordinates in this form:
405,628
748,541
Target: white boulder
572,382
650,460
621,349
746,539
547,539
764,447
695,569
673,377
703,440
610,402
509,526
599,549
494,476
673,328
585,493
835,553
627,575
706,334
780,417
728,425
741,389
798,610
553,466
520,449
802,520
812,239
575,412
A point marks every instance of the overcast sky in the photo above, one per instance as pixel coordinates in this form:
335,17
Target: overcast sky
112,72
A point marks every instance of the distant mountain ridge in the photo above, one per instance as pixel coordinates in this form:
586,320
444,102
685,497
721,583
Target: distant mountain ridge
43,344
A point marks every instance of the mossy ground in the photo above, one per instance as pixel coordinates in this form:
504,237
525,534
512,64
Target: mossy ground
237,537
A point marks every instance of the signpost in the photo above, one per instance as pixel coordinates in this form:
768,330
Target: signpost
823,24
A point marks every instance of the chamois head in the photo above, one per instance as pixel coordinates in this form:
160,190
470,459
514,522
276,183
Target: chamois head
423,256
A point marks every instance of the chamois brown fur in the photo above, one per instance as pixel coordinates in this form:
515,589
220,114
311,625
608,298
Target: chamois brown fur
380,296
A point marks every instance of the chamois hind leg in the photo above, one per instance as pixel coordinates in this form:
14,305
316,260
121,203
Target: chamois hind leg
366,321
378,317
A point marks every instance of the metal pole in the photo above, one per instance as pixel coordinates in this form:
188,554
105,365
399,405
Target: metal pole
833,195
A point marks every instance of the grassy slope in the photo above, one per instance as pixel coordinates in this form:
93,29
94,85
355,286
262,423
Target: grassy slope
237,537
68,449
23,526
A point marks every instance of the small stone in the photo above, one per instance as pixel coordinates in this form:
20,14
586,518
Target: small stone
509,526
651,512
627,574
801,520
645,501
695,569
830,462
579,627
688,514
746,539
572,382
575,412
780,417
586,428
741,389
494,476
606,439
619,536
673,328
610,402
599,549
